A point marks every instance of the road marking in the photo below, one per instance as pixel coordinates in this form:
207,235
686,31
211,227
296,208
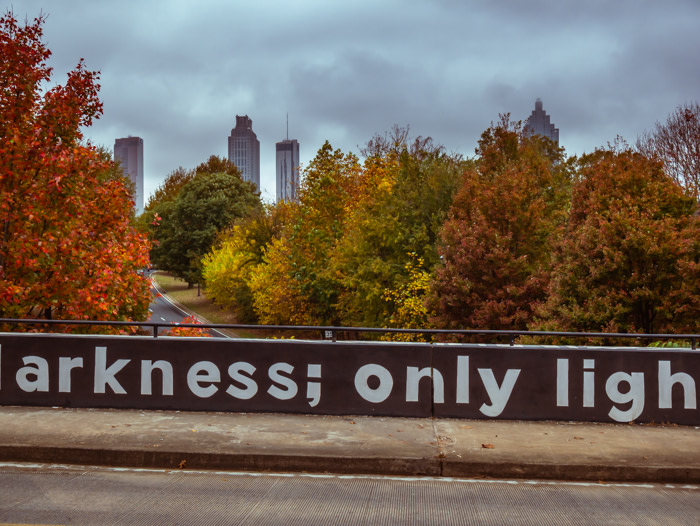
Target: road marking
187,314
442,480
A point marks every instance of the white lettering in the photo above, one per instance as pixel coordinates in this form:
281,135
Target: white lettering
382,391
195,377
313,389
666,383
562,382
65,366
290,385
462,379
251,388
41,372
588,384
166,370
413,377
499,395
106,375
634,395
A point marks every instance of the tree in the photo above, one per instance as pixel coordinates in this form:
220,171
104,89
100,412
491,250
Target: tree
229,267
188,226
409,310
294,284
394,223
677,144
497,240
628,259
68,249
170,188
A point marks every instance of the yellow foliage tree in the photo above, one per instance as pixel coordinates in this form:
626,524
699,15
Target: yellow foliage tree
407,302
277,300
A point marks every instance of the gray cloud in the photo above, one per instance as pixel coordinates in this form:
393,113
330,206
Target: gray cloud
176,73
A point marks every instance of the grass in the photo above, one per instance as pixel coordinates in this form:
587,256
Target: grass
198,303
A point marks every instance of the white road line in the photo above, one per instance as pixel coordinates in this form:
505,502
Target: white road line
165,298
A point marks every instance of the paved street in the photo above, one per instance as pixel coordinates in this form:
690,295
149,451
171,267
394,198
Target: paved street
162,309
59,495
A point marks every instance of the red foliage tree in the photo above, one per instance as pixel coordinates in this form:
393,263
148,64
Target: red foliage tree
68,249
496,242
629,256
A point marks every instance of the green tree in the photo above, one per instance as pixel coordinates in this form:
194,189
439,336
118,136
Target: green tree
188,225
629,256
294,285
170,188
393,224
497,242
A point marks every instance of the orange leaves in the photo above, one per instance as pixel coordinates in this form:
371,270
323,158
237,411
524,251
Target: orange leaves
67,248
625,261
188,331
498,240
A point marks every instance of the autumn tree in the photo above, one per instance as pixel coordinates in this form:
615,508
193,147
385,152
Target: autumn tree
408,302
393,225
629,256
68,249
497,241
188,226
227,269
677,144
294,284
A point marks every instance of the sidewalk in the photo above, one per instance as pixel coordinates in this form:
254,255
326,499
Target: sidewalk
351,445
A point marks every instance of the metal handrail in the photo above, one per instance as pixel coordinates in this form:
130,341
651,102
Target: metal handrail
330,332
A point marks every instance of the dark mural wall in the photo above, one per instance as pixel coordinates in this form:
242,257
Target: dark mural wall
391,379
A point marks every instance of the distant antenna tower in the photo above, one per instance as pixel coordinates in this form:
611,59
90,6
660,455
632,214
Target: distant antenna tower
287,125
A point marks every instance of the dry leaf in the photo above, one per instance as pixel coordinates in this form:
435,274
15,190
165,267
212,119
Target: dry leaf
487,446
182,464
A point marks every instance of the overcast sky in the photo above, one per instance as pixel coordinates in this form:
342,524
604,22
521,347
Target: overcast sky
177,72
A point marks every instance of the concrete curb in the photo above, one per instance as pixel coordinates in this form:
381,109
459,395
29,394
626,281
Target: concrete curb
175,460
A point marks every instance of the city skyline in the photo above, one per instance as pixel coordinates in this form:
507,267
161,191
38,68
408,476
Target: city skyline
603,69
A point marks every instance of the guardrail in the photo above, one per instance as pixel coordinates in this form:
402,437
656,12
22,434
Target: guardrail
331,333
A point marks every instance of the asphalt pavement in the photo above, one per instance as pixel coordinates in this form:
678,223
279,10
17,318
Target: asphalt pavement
351,445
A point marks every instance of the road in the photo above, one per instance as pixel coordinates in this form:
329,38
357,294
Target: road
61,495
163,309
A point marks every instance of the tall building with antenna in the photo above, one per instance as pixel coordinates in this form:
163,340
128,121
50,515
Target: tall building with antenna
538,123
244,150
287,168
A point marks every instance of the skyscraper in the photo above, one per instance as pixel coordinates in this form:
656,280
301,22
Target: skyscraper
538,124
287,170
244,150
129,152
